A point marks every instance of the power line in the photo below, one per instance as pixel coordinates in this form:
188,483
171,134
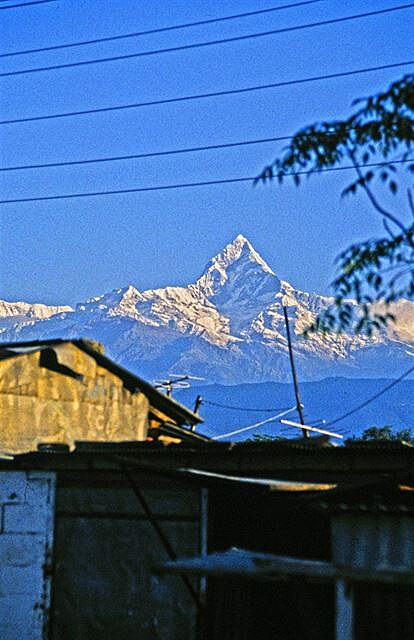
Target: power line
255,425
199,45
159,30
153,154
186,185
26,4
371,399
228,406
214,94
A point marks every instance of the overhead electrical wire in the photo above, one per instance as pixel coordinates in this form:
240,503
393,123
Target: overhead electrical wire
153,154
136,34
371,399
150,154
199,45
213,94
26,4
186,185
255,425
228,406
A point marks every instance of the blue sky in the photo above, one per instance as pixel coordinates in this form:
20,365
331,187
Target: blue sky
65,251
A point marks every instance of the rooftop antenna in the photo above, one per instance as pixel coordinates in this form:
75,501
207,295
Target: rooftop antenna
299,405
175,381
306,428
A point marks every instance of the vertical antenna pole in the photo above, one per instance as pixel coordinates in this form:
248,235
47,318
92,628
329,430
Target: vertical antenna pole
295,380
196,409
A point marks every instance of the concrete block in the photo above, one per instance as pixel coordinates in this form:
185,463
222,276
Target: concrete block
16,580
32,487
38,491
14,486
21,551
24,518
19,618
15,631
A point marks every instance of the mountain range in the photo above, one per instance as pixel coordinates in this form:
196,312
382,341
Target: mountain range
227,327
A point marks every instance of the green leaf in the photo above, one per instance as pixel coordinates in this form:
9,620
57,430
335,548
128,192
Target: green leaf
393,187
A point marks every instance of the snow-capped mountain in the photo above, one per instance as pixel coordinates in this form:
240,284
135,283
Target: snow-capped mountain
228,327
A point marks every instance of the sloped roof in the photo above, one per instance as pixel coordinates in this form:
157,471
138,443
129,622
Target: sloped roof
158,400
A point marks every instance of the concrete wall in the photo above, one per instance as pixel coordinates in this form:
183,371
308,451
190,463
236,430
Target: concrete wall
26,536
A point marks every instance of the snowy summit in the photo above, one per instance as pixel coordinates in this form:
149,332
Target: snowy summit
227,326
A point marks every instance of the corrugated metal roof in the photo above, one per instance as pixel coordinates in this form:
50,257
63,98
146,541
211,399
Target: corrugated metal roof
252,564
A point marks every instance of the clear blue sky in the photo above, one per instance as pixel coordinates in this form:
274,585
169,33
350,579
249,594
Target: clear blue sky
66,251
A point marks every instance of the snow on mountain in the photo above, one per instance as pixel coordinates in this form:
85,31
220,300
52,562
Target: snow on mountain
27,310
239,283
16,315
228,326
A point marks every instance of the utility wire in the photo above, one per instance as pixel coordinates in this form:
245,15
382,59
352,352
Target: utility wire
199,45
227,406
159,30
255,425
189,184
214,94
371,399
151,154
26,4
154,154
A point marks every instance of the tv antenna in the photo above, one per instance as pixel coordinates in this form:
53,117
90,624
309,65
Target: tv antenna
175,381
307,428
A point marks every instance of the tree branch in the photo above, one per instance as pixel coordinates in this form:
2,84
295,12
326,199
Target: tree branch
410,200
373,199
388,228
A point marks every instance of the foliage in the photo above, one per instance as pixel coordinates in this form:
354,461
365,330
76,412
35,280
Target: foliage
263,438
386,433
377,142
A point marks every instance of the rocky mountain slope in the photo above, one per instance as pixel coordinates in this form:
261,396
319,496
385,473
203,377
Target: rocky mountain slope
227,327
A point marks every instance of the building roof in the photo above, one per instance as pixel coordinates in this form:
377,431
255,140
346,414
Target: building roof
261,566
158,400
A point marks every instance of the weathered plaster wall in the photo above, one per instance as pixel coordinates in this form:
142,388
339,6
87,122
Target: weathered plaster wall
26,536
105,551
38,404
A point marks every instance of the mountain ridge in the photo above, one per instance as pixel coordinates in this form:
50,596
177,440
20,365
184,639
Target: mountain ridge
227,326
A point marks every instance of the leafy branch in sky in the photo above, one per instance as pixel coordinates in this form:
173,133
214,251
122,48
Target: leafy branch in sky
377,142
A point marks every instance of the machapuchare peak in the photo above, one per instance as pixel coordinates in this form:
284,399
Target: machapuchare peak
227,327
241,248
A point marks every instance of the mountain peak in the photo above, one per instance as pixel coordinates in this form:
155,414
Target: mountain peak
239,249
238,282
240,238
124,298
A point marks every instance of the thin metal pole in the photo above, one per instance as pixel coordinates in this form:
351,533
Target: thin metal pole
163,538
295,380
196,409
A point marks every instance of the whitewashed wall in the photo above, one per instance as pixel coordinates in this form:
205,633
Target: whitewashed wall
27,502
